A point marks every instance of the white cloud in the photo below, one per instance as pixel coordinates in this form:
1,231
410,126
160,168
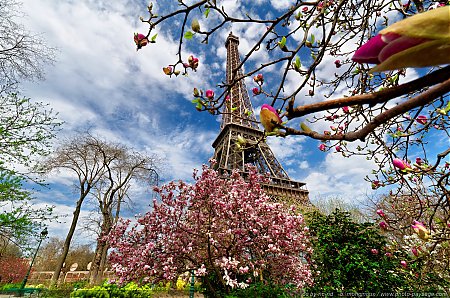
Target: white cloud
340,176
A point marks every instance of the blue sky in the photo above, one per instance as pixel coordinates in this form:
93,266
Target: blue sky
100,81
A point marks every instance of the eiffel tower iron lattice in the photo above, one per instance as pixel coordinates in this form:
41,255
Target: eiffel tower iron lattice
237,121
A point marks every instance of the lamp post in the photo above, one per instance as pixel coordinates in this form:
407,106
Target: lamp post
44,234
192,287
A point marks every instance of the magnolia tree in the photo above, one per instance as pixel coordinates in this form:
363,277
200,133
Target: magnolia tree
425,241
227,230
313,65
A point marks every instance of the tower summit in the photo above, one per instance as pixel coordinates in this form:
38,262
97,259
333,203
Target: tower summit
238,120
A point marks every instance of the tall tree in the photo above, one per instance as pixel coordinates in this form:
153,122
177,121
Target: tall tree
111,192
428,246
88,158
26,127
26,130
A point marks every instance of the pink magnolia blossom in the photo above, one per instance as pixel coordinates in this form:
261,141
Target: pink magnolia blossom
269,117
381,213
415,252
192,62
404,264
422,119
256,91
418,41
258,78
140,40
400,164
346,109
209,94
337,63
338,148
374,251
305,9
383,225
322,147
421,230
211,226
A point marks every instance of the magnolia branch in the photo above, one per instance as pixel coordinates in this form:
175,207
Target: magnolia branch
372,98
417,101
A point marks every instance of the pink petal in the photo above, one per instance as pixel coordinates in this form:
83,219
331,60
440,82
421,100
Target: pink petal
397,45
368,52
399,163
390,37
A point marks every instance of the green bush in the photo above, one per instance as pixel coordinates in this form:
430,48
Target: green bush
350,257
6,287
131,290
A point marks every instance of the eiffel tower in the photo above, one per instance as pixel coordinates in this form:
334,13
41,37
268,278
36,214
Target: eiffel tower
237,121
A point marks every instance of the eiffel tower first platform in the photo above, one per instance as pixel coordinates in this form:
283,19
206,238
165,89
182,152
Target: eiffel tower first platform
236,121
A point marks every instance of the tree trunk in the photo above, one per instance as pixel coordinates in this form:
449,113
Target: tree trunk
66,246
102,246
104,258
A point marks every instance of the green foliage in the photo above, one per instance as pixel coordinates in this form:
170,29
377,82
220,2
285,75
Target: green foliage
18,219
344,258
131,290
26,129
9,286
188,35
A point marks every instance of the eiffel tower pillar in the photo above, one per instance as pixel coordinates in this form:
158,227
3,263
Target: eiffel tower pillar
238,120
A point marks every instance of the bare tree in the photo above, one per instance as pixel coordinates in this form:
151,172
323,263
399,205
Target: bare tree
111,192
89,159
52,249
22,54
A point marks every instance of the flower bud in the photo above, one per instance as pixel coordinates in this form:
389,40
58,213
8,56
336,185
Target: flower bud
258,78
196,92
400,164
256,91
140,40
167,70
422,119
381,213
209,94
195,25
